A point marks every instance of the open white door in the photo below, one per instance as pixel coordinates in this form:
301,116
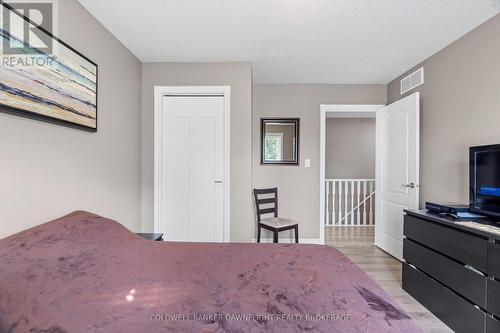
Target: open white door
397,170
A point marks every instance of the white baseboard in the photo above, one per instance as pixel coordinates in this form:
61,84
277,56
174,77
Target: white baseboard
349,226
316,241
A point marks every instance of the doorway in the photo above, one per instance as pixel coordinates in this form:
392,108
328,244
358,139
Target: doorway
396,177
192,167
347,167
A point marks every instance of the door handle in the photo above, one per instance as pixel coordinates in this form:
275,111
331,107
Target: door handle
412,185
218,181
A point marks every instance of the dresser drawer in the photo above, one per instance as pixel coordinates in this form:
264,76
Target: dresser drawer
492,325
493,298
494,259
468,249
455,276
460,315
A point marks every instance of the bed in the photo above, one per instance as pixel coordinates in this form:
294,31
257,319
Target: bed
86,273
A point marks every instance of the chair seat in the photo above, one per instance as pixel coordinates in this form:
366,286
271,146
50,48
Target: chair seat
278,222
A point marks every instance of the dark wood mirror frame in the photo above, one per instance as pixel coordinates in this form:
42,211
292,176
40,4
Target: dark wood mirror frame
294,121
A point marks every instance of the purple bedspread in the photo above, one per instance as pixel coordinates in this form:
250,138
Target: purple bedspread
84,273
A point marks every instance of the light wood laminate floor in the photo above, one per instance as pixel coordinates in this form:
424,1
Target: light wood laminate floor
357,244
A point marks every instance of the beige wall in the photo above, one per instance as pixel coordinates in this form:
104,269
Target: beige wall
47,170
299,186
350,148
239,77
460,108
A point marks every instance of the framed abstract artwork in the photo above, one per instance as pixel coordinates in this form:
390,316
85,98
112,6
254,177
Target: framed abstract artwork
59,86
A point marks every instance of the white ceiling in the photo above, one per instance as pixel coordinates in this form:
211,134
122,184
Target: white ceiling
294,41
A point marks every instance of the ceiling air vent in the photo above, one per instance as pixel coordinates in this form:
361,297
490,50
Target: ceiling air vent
412,81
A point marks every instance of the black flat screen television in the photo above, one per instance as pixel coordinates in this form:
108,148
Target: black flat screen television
485,180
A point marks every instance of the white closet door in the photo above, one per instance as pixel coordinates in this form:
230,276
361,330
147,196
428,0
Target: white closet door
193,168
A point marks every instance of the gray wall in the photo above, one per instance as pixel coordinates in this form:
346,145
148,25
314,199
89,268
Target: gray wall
239,77
460,108
350,148
299,186
47,171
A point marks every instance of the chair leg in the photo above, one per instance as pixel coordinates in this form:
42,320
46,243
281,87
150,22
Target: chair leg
258,233
275,238
297,234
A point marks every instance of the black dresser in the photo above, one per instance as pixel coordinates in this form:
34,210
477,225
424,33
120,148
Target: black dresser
453,270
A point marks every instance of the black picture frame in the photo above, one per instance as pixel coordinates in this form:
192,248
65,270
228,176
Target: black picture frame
44,118
296,122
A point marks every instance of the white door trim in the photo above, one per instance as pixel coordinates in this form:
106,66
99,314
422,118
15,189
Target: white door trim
355,110
159,132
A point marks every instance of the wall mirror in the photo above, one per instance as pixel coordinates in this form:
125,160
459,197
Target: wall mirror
279,141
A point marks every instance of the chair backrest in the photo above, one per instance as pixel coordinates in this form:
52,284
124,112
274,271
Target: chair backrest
267,197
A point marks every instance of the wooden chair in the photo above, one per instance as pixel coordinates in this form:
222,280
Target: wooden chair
274,224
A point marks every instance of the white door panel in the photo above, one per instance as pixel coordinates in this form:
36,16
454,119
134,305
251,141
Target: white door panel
392,211
395,155
397,165
202,180
176,176
194,168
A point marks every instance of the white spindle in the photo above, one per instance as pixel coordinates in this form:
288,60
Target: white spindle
364,206
328,206
352,203
334,221
358,202
346,196
371,203
340,202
